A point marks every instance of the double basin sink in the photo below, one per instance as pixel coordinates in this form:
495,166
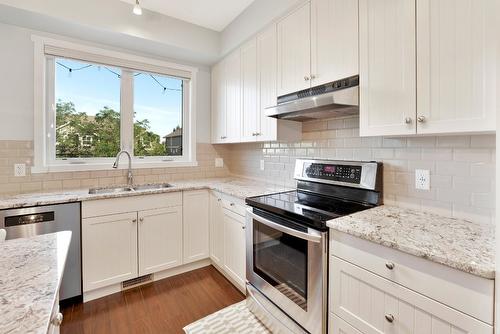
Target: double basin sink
114,190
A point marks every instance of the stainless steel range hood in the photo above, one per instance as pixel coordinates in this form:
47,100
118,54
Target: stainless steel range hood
335,99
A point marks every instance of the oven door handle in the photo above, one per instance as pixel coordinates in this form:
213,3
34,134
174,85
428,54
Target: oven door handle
299,234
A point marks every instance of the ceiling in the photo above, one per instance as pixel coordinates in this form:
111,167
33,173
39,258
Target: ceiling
211,14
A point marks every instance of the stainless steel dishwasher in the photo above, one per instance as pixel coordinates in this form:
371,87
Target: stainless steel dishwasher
27,222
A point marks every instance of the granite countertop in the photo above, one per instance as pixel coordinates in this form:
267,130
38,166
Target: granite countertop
30,276
457,243
234,186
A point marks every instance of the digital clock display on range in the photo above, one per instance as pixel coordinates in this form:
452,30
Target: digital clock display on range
341,173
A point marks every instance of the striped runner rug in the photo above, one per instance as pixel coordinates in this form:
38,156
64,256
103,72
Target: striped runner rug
233,319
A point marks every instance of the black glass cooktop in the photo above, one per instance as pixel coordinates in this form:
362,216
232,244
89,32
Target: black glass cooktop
309,209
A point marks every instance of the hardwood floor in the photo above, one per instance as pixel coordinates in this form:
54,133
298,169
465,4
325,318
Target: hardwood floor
164,306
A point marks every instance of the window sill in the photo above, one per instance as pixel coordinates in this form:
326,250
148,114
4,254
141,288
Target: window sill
107,166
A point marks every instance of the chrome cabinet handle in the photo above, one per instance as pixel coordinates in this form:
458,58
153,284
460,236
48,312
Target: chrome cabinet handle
421,119
389,265
306,78
408,120
58,319
223,137
389,317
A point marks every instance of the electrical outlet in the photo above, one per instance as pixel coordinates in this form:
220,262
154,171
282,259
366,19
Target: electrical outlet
19,169
262,165
219,162
422,179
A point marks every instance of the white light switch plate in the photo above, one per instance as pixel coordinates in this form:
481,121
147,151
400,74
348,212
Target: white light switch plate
19,169
422,179
262,165
219,162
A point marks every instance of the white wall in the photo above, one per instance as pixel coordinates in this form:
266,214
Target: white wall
251,20
16,86
111,22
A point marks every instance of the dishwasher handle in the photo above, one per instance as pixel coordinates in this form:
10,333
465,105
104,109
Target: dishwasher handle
31,218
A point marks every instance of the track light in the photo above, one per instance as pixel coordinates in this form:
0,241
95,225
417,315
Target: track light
137,8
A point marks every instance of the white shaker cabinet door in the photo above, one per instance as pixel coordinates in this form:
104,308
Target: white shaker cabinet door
294,51
266,76
375,305
218,111
249,108
195,225
387,67
216,229
160,239
109,250
334,40
234,247
233,96
456,65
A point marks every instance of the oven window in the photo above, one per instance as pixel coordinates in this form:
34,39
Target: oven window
281,260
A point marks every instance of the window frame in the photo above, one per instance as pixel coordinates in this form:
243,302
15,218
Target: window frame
44,105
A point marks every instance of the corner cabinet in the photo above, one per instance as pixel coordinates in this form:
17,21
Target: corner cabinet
424,69
196,229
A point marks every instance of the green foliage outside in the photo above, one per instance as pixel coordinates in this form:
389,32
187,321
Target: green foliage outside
79,135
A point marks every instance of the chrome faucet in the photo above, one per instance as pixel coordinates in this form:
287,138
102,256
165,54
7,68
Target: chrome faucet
130,179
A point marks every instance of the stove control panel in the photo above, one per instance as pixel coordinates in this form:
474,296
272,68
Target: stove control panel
354,174
341,173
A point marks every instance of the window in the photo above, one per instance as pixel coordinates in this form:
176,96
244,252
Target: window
97,102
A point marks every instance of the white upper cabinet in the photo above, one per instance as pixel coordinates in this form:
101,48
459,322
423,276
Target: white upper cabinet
387,67
232,74
249,114
456,65
266,79
294,51
218,104
334,40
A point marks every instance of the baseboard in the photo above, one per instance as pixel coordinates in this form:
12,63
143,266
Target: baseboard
230,279
114,288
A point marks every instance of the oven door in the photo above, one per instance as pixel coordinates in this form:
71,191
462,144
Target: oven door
287,263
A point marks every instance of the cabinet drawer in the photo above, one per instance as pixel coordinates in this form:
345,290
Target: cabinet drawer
467,293
375,305
231,203
111,206
338,326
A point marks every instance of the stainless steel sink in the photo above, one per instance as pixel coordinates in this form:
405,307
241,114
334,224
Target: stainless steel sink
152,186
112,190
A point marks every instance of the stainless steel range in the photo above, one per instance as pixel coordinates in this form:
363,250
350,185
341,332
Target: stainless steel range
287,241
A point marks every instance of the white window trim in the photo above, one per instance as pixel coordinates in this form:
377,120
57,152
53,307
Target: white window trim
41,145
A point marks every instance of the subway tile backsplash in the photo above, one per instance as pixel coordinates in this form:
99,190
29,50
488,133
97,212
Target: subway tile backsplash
12,152
462,167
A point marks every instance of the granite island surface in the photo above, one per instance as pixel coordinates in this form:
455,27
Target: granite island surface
31,270
234,186
457,243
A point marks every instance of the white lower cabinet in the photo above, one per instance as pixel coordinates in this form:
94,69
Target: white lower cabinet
227,237
160,239
196,225
109,249
234,246
216,229
401,294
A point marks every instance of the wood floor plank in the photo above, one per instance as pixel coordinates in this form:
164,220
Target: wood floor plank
164,306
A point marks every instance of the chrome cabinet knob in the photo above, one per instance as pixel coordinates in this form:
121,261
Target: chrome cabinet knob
141,219
306,78
389,317
243,227
231,204
389,265
134,220
218,199
408,120
223,137
421,119
313,77
57,319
